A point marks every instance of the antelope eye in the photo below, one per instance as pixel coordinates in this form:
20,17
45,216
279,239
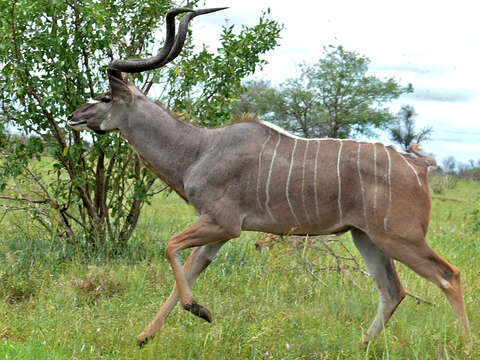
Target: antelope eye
106,99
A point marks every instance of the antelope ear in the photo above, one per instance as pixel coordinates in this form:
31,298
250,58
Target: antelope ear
119,86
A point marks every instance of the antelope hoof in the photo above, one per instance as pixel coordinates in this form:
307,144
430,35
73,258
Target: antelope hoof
199,310
366,338
142,340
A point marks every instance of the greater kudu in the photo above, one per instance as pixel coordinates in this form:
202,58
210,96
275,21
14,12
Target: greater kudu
255,176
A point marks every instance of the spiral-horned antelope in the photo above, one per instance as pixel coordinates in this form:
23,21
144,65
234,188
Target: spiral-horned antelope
255,176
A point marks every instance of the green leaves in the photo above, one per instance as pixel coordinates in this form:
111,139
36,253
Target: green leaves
53,57
351,98
336,97
205,85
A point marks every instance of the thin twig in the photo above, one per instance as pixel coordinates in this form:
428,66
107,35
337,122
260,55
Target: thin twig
442,198
37,180
341,260
22,199
418,298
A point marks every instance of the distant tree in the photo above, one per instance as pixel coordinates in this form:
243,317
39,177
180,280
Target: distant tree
449,164
259,97
403,132
333,98
299,110
470,170
474,164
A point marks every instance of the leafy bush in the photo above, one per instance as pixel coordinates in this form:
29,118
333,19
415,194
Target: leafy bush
53,56
441,182
475,215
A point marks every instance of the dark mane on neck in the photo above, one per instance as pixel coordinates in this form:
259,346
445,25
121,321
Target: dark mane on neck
245,117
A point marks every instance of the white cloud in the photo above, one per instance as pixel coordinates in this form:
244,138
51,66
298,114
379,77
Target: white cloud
442,95
431,44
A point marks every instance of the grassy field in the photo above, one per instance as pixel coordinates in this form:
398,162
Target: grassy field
59,303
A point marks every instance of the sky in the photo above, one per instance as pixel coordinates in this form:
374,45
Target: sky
434,45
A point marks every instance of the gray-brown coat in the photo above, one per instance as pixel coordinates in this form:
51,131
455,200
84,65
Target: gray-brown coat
255,176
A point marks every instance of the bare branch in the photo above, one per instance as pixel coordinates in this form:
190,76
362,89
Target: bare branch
22,199
38,181
419,299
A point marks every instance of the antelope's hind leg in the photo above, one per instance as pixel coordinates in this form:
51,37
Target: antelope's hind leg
422,259
382,270
198,261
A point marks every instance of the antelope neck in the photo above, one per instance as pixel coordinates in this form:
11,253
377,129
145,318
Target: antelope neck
166,145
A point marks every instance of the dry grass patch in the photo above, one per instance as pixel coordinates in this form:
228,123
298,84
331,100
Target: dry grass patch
96,284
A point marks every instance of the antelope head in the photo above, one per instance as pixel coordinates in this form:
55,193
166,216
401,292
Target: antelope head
108,111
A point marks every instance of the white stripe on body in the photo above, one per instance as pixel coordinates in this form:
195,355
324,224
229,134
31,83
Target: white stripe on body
260,169
339,180
364,208
280,131
288,182
286,133
411,167
385,219
267,187
303,182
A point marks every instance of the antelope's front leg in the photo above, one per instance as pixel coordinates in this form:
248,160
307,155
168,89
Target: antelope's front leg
197,262
203,232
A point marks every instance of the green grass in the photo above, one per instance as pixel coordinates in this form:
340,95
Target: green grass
57,303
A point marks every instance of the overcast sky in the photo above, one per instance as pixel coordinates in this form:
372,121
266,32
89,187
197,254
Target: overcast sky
432,44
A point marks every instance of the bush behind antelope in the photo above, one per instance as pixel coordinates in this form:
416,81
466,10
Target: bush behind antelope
441,182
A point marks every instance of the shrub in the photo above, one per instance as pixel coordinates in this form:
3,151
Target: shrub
475,215
441,182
